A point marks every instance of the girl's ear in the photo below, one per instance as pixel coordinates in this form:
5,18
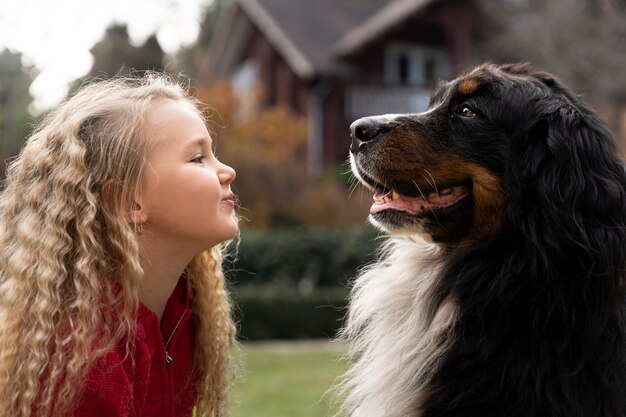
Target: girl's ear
136,215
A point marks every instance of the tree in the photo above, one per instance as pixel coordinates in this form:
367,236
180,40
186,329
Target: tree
114,54
582,41
190,58
14,101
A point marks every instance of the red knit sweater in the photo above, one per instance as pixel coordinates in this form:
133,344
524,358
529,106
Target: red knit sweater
155,382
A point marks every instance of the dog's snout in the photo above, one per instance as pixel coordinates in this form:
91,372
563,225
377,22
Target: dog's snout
363,131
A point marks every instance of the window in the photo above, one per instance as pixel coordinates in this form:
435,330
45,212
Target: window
245,80
412,64
403,68
245,77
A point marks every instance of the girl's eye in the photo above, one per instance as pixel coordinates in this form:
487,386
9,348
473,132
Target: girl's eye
198,159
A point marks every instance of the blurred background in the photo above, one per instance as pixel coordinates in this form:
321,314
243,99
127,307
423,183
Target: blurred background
283,80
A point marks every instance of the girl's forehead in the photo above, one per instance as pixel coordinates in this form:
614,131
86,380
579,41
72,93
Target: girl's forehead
165,113
175,123
172,108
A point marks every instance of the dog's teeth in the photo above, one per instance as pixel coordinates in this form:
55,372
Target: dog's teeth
446,191
432,195
395,195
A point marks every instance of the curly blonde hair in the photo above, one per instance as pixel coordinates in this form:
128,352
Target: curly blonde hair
63,250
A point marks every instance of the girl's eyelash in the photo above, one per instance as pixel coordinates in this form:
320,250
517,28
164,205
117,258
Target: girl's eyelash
198,158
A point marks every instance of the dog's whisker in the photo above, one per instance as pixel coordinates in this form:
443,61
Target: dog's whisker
429,183
353,181
348,171
434,183
352,188
426,200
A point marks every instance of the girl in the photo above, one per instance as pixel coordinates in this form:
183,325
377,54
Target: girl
112,298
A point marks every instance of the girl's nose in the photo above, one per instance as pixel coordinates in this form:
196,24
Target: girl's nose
226,174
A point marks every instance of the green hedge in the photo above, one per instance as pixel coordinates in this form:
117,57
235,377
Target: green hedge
293,257
290,284
272,312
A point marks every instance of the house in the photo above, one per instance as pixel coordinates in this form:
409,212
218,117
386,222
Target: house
334,61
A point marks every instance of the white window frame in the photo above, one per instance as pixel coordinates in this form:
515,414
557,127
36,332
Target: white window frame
245,77
417,56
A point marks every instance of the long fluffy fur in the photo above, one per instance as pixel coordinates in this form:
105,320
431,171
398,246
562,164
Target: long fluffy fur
529,321
399,336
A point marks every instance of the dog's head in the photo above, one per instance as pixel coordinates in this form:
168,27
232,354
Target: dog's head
494,144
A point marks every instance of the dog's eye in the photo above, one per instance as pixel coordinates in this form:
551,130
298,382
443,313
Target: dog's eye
465,111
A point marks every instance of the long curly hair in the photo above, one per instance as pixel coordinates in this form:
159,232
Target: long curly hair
65,249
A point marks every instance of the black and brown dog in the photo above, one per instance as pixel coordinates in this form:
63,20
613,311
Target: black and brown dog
501,290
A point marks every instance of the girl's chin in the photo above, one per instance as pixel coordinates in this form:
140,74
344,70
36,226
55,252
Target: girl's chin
230,230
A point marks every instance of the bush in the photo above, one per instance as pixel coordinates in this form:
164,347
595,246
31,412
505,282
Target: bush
273,312
293,283
301,257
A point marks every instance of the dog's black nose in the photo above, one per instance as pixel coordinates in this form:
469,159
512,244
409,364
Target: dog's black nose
363,131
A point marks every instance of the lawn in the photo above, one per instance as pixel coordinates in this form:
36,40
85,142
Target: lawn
286,380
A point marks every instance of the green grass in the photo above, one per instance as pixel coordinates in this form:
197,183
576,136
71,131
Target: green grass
286,380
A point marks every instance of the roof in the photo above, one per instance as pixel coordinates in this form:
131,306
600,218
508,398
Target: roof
379,23
311,35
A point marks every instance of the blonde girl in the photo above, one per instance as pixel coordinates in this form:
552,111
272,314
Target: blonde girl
112,299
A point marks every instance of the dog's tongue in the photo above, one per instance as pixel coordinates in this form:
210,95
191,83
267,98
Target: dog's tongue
391,200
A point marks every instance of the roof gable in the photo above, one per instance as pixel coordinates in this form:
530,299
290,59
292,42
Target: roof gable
312,35
386,18
315,25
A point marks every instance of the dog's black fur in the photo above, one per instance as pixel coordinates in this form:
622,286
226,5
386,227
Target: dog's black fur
535,255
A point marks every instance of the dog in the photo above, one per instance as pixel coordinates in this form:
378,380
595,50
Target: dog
500,290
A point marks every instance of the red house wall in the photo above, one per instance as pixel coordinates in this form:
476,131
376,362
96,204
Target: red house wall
280,85
336,127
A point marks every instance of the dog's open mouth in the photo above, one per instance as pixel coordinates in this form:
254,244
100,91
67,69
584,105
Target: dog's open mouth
385,199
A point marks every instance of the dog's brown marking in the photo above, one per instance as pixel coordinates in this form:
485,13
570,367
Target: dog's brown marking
488,193
489,201
467,86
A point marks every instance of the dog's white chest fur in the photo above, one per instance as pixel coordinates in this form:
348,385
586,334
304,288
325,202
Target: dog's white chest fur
395,335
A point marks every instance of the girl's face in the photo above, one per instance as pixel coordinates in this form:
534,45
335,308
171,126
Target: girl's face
186,197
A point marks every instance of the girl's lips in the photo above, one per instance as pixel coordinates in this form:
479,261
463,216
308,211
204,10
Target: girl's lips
229,200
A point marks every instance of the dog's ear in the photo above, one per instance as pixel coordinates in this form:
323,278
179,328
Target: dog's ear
578,175
583,159
517,68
